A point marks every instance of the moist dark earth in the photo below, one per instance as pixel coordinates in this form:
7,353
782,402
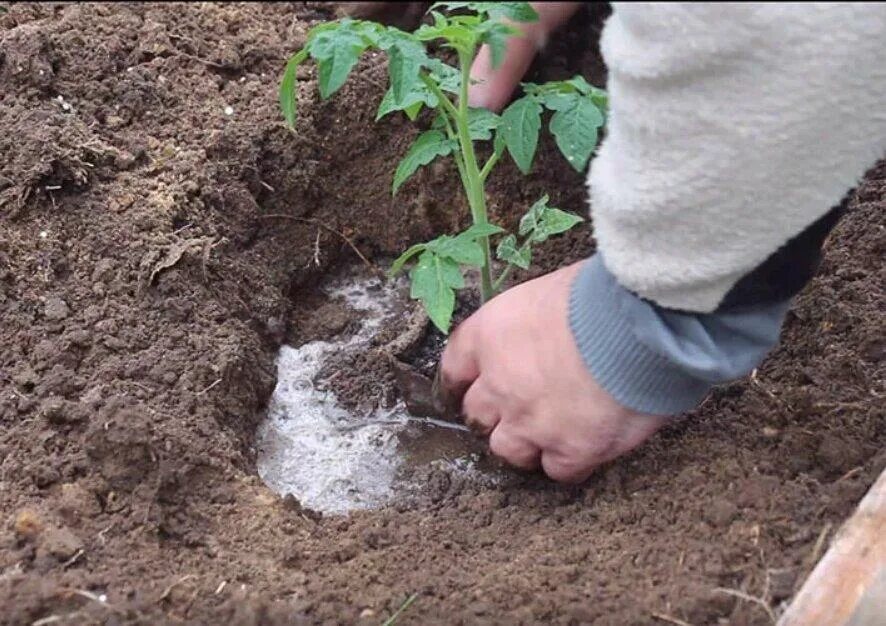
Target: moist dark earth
156,247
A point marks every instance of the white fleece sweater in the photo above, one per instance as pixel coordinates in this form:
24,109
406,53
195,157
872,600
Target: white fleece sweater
732,128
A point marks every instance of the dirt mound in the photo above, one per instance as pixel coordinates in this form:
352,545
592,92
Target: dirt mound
159,237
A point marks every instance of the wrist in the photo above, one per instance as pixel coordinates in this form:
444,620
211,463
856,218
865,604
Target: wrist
656,360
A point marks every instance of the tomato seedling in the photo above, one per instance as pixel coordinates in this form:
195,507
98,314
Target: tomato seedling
418,80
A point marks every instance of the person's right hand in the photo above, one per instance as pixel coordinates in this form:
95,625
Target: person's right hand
495,86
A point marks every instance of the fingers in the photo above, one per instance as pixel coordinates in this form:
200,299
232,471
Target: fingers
513,449
458,369
567,469
496,85
480,409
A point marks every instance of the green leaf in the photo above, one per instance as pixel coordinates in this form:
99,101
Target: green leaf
521,122
575,131
413,110
555,222
336,52
481,123
482,230
287,86
460,249
578,81
428,146
542,221
509,252
529,222
496,34
516,11
459,36
600,99
434,280
446,76
559,101
412,100
405,60
397,265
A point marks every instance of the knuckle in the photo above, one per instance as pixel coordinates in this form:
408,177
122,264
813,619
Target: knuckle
567,471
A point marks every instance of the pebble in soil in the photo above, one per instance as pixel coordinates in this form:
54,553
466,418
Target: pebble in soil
334,458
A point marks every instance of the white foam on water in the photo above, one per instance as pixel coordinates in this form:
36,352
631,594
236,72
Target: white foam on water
330,459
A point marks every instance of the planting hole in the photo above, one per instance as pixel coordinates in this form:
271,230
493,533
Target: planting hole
333,459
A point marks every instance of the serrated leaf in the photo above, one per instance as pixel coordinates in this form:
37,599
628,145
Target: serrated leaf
560,101
288,101
446,76
578,81
496,34
553,222
509,252
403,259
516,11
434,280
405,59
413,100
460,249
413,110
520,124
481,123
601,100
575,131
533,216
336,53
428,146
482,230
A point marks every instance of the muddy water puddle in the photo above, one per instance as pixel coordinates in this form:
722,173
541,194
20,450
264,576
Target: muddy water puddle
335,460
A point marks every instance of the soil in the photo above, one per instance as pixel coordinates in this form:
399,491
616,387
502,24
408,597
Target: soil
156,247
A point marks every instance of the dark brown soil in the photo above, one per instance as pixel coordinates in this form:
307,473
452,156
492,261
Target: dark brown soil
147,278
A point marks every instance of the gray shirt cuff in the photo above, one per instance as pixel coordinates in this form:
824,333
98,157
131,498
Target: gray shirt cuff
660,361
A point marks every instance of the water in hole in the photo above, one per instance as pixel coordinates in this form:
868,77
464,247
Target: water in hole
330,459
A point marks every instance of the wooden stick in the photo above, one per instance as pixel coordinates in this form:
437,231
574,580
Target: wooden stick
848,569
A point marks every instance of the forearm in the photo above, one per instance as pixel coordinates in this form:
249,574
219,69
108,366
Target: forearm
732,130
658,361
732,138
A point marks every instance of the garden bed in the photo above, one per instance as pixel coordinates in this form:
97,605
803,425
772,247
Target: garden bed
147,280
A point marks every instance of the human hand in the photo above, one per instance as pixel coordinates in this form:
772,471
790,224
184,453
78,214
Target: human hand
495,86
525,385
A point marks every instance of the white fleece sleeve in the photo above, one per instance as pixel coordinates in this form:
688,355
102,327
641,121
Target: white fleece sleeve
732,127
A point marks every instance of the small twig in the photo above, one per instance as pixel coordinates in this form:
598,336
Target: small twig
749,598
200,393
347,240
73,559
52,619
178,52
819,544
101,533
169,589
317,249
398,612
850,473
671,620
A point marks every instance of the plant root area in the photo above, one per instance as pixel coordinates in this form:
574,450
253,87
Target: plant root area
162,233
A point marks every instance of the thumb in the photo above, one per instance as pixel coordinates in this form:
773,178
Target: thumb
457,371
494,86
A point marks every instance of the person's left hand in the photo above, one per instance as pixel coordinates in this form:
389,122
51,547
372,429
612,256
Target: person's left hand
526,386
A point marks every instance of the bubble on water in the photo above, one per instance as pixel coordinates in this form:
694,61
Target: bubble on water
332,460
